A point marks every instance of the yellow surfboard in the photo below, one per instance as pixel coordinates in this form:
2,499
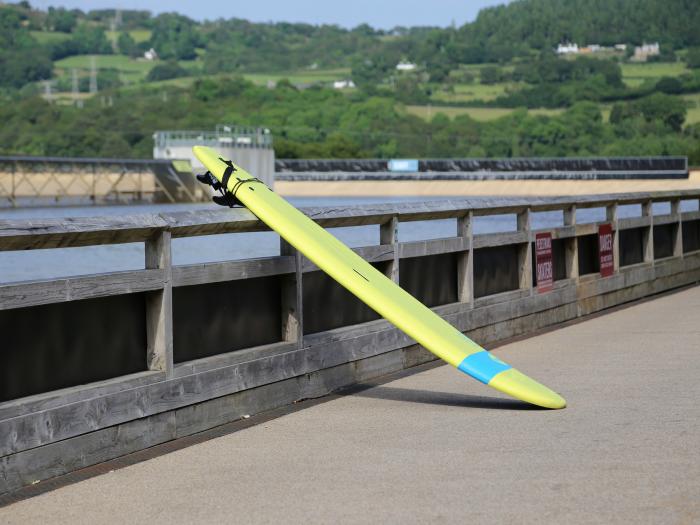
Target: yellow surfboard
373,287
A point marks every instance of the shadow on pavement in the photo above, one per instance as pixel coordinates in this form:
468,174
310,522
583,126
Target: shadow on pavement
444,398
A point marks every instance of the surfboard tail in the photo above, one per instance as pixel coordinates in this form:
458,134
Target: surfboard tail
491,371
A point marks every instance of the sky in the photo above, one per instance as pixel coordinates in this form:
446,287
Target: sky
383,14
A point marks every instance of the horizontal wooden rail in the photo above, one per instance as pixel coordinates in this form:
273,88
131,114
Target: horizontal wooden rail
34,293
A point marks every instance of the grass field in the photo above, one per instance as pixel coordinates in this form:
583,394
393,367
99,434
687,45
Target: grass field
481,114
131,70
469,92
636,74
305,76
139,35
49,37
693,116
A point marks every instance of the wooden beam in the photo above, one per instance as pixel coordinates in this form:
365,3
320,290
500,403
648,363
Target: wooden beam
32,234
488,240
389,236
629,223
35,293
648,235
214,272
525,251
292,297
465,262
678,228
571,244
611,217
433,247
159,306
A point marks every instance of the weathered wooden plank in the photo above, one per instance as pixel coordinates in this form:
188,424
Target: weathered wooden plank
648,236
628,223
611,217
665,219
159,305
292,297
30,234
84,231
211,222
370,254
560,232
487,240
213,272
525,251
571,244
433,247
64,396
465,262
35,293
690,215
389,236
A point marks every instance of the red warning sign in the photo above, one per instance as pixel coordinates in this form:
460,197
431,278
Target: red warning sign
605,250
543,261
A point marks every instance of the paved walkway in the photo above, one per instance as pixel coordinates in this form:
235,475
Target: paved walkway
436,447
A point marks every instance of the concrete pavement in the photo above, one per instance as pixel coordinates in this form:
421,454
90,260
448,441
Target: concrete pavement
439,447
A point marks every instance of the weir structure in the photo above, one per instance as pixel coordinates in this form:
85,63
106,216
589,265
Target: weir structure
95,367
26,181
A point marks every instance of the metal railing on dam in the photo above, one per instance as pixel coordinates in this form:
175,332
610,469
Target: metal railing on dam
26,181
99,366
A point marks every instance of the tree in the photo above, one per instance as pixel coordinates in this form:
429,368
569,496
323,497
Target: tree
174,37
60,19
88,39
692,58
490,75
665,108
669,85
166,71
127,45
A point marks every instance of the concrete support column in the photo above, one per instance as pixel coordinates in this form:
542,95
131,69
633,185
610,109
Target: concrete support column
648,236
159,306
292,297
389,235
611,217
525,252
571,244
678,230
465,262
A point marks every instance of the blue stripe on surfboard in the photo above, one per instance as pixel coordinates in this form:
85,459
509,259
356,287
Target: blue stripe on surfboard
482,366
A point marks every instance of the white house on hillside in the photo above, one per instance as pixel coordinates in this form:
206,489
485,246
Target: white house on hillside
343,84
567,49
405,66
150,54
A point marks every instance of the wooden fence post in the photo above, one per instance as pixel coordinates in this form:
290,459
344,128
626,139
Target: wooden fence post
465,262
611,217
525,252
571,244
678,238
159,305
389,235
292,297
648,236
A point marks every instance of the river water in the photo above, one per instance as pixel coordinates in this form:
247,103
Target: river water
62,262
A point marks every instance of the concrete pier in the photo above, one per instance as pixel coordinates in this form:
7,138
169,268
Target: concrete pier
434,447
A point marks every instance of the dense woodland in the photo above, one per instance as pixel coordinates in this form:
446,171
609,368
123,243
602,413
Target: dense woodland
512,45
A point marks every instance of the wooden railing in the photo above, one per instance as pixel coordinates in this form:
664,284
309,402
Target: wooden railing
166,383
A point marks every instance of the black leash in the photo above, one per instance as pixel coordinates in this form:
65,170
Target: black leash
227,198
